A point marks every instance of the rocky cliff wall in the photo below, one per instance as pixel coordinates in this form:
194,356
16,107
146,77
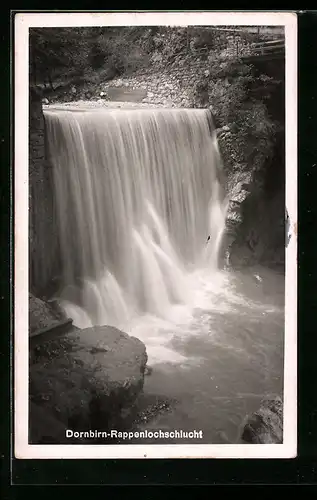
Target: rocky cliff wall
42,231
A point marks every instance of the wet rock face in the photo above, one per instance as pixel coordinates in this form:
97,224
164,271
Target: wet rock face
255,225
89,380
265,426
238,189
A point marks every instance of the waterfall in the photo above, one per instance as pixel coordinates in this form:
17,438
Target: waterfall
137,195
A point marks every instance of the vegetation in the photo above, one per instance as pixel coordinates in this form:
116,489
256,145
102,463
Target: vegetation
76,53
72,52
234,96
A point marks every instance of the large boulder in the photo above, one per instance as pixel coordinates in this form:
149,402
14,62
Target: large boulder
265,426
42,314
44,427
88,380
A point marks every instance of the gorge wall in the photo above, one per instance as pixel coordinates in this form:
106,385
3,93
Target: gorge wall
43,253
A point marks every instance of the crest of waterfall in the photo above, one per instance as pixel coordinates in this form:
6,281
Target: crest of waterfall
137,196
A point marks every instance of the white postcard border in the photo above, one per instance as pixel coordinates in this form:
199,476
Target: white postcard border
25,20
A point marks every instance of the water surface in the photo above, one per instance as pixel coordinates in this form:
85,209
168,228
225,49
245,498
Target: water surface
219,372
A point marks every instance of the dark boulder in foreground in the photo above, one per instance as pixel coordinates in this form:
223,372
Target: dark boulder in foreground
87,380
265,426
44,428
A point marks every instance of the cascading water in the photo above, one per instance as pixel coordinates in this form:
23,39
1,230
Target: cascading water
137,195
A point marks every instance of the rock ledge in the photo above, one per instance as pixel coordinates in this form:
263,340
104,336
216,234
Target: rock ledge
89,379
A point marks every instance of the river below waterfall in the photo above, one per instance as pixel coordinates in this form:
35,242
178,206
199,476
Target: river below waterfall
213,373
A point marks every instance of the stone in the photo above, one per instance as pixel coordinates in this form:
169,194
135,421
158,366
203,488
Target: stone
265,426
238,186
225,128
148,370
168,103
42,263
41,314
89,380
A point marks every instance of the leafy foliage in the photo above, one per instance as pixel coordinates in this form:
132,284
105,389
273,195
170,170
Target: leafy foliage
56,52
250,132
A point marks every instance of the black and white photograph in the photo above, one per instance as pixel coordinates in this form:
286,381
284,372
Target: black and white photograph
156,235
